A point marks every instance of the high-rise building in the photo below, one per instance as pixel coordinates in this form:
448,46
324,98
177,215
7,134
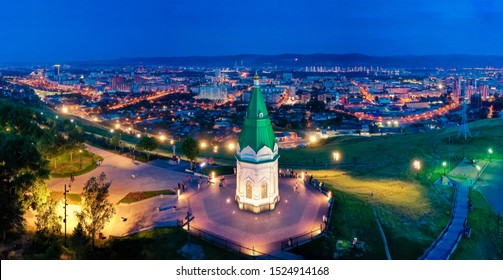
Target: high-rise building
56,70
476,101
212,92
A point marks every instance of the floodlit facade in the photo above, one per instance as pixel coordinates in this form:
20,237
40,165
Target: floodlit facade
257,158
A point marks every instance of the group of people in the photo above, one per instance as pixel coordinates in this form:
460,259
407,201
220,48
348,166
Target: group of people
317,184
289,172
181,187
98,162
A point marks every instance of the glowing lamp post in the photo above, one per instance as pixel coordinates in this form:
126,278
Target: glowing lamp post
417,166
336,156
232,146
80,158
444,164
490,151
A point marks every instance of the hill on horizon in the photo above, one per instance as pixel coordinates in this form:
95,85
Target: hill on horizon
329,60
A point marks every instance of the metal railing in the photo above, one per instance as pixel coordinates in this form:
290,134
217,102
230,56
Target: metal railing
298,240
227,244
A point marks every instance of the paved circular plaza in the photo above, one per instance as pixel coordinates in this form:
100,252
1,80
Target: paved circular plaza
297,213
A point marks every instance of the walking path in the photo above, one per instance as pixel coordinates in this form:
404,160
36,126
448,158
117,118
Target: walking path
133,217
448,240
382,235
446,243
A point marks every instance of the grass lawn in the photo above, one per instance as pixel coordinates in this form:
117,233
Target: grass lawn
72,198
160,243
137,196
411,215
64,165
446,191
484,242
391,155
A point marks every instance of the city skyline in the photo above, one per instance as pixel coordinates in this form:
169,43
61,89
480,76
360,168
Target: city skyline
61,31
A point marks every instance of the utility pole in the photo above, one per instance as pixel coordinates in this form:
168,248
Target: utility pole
64,219
449,166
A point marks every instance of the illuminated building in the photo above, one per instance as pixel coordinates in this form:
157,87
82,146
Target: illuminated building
257,158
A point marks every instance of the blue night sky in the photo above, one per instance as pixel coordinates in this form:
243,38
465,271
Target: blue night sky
57,30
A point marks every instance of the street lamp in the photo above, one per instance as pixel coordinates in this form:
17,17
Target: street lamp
232,146
80,156
490,150
417,166
444,164
336,156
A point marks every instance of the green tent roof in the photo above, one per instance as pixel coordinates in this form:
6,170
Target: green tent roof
257,129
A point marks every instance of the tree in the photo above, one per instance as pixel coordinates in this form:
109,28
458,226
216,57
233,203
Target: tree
48,225
48,222
79,242
115,141
147,144
315,105
373,128
96,210
22,175
51,144
190,149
